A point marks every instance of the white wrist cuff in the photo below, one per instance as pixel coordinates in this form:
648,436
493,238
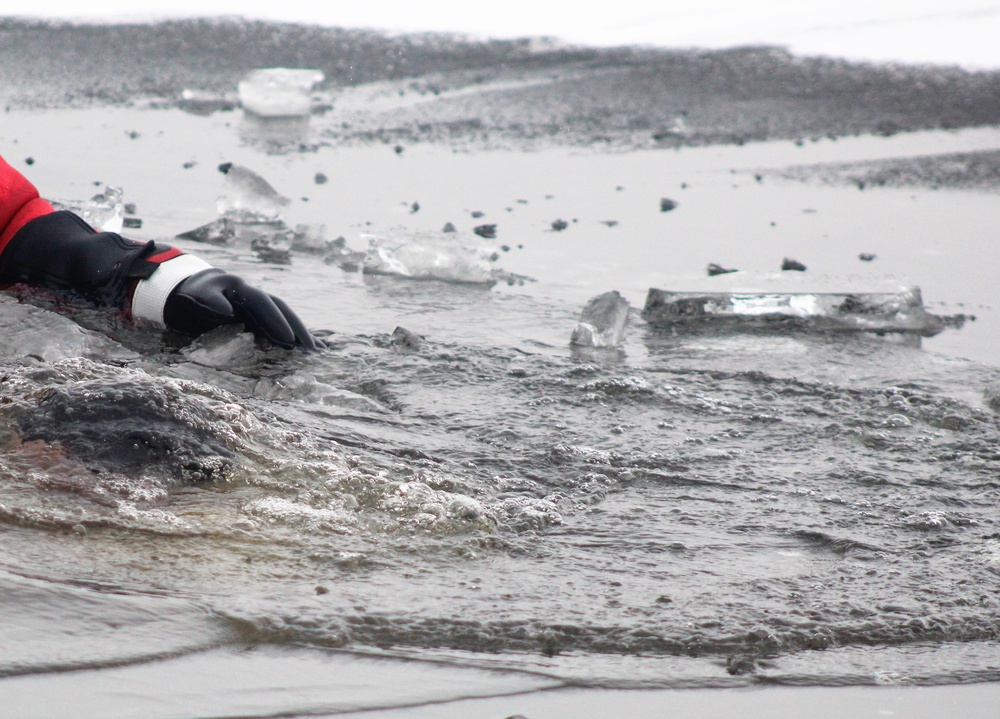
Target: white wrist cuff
151,294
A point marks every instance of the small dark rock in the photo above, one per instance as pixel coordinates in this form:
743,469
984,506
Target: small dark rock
740,665
866,257
398,149
415,207
448,227
29,161
560,225
666,204
320,178
714,269
132,223
476,214
789,264
487,231
322,590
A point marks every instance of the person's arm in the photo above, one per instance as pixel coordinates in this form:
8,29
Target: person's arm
149,281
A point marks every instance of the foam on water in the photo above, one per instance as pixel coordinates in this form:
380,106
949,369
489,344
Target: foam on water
535,511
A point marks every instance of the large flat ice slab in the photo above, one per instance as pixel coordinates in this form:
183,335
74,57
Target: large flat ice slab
879,312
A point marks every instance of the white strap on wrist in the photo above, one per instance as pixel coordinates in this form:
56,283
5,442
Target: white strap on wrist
151,294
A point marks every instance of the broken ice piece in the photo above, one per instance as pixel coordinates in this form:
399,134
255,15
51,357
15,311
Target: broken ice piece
204,102
878,312
105,211
248,196
602,322
217,232
428,256
312,239
404,338
278,91
273,247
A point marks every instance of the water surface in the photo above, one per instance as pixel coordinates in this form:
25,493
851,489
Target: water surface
697,509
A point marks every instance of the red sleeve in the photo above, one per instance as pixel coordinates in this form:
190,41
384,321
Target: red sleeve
19,203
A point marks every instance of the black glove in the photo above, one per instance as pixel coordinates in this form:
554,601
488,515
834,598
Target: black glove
213,298
151,281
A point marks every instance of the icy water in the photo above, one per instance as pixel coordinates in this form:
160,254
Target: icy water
701,509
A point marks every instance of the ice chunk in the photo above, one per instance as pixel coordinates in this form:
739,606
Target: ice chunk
225,347
429,256
204,102
248,197
278,91
602,322
217,232
273,247
105,211
879,312
313,239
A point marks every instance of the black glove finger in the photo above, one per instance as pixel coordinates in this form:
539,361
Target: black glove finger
197,305
258,312
303,336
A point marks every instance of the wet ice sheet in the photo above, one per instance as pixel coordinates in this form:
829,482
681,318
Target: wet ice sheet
977,702
50,627
260,681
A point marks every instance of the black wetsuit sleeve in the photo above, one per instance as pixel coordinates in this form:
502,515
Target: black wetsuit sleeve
59,251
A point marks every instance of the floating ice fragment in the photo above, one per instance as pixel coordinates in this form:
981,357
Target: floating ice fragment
429,256
105,211
313,239
273,247
248,196
602,322
204,102
278,91
217,232
402,337
225,347
879,312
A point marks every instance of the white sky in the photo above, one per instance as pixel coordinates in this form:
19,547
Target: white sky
965,32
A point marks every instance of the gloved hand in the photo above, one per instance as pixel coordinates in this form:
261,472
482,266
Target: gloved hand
150,281
212,298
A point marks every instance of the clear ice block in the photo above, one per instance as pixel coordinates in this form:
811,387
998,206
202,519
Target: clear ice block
879,312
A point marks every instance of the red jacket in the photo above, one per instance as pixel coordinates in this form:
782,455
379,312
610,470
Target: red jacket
19,203
56,250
